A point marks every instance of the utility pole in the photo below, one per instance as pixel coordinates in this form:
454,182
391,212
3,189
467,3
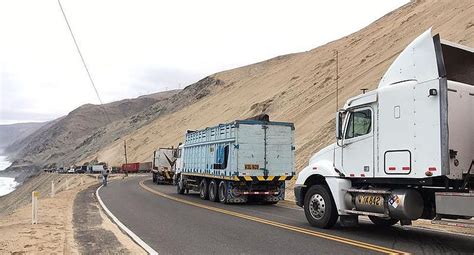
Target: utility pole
125,148
337,80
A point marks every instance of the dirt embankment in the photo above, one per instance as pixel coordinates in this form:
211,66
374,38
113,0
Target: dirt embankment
55,232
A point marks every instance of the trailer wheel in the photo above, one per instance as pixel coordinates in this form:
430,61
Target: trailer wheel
383,222
213,191
203,190
222,192
319,207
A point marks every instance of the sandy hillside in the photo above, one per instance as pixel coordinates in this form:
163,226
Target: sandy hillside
300,87
55,232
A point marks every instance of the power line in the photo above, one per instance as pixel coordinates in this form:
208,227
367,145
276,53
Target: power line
83,61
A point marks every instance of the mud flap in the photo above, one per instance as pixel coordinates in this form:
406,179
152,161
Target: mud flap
233,194
276,198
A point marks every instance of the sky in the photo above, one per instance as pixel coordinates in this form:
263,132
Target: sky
139,47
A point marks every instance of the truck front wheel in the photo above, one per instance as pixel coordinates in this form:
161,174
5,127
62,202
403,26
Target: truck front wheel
319,207
203,190
383,222
180,187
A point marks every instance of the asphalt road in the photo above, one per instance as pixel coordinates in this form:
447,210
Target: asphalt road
185,224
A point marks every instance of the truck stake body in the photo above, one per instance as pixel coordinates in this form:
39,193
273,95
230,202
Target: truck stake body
237,162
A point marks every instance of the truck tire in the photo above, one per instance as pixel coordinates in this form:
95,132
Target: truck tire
222,192
180,187
319,207
383,222
203,189
213,191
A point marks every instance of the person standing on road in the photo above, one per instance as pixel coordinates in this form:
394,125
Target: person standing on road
105,175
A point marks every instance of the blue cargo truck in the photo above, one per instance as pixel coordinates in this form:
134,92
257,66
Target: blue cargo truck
238,161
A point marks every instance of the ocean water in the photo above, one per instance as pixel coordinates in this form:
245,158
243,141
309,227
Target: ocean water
7,184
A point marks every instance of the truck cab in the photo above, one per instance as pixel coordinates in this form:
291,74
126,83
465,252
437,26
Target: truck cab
403,151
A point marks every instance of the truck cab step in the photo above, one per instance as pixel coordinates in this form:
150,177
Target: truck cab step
455,223
381,215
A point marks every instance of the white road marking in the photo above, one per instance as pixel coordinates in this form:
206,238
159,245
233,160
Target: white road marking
132,235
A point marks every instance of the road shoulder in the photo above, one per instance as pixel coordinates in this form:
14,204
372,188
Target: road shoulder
94,232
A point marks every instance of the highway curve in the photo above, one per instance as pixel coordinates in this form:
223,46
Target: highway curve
185,224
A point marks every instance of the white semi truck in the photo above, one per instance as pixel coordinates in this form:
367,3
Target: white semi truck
404,151
94,169
164,165
238,161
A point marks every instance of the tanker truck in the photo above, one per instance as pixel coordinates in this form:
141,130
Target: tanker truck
239,161
404,151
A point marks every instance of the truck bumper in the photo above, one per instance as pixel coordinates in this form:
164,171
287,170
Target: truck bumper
299,195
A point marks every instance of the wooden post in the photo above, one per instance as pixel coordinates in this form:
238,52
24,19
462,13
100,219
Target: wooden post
52,189
34,207
125,149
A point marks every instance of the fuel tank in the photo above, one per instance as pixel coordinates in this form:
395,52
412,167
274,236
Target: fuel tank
406,204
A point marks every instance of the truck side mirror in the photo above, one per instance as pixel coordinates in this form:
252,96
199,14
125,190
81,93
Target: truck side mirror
339,125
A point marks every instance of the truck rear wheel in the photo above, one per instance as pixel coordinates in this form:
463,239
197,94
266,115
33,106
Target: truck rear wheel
222,192
203,190
319,207
213,191
383,222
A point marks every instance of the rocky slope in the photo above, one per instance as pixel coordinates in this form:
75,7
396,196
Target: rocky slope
63,140
12,133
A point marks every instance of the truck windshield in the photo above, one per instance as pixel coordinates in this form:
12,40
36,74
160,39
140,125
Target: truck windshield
359,124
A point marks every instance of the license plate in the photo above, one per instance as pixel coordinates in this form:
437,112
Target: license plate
251,167
370,200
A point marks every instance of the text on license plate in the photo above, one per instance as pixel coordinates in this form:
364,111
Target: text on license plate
370,200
